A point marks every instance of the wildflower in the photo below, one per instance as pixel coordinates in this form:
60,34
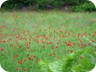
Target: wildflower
25,69
50,54
14,57
11,45
43,46
2,49
50,42
79,35
56,46
52,47
43,41
81,57
17,68
29,58
34,56
68,44
92,40
2,54
19,62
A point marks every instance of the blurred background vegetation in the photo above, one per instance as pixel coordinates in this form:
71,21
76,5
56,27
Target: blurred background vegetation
66,5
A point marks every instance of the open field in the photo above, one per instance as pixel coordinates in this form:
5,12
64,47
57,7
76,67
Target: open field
28,37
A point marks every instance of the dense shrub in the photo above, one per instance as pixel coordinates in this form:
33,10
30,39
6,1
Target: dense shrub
88,6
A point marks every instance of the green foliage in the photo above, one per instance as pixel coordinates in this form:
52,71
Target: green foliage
77,5
80,61
44,66
88,6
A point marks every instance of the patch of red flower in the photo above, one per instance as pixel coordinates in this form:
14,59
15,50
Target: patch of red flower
49,42
19,62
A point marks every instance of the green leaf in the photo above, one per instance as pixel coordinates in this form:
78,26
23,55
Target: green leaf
80,61
44,66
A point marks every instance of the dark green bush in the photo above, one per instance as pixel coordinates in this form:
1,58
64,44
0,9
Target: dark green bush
88,6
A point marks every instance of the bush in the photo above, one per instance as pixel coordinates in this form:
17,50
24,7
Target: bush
88,6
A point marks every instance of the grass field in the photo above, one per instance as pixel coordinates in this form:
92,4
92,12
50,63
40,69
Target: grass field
28,37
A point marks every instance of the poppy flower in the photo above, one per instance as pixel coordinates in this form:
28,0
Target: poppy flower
2,49
81,57
25,69
17,68
50,42
34,56
56,46
68,44
50,54
2,54
19,62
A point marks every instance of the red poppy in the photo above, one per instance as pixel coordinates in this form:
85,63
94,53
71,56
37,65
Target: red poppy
50,42
43,41
25,60
2,49
56,46
52,47
34,56
25,69
2,54
50,54
19,62
79,35
11,45
17,68
14,57
68,44
92,40
29,58
81,57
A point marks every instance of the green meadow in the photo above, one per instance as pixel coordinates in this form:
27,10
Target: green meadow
26,38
